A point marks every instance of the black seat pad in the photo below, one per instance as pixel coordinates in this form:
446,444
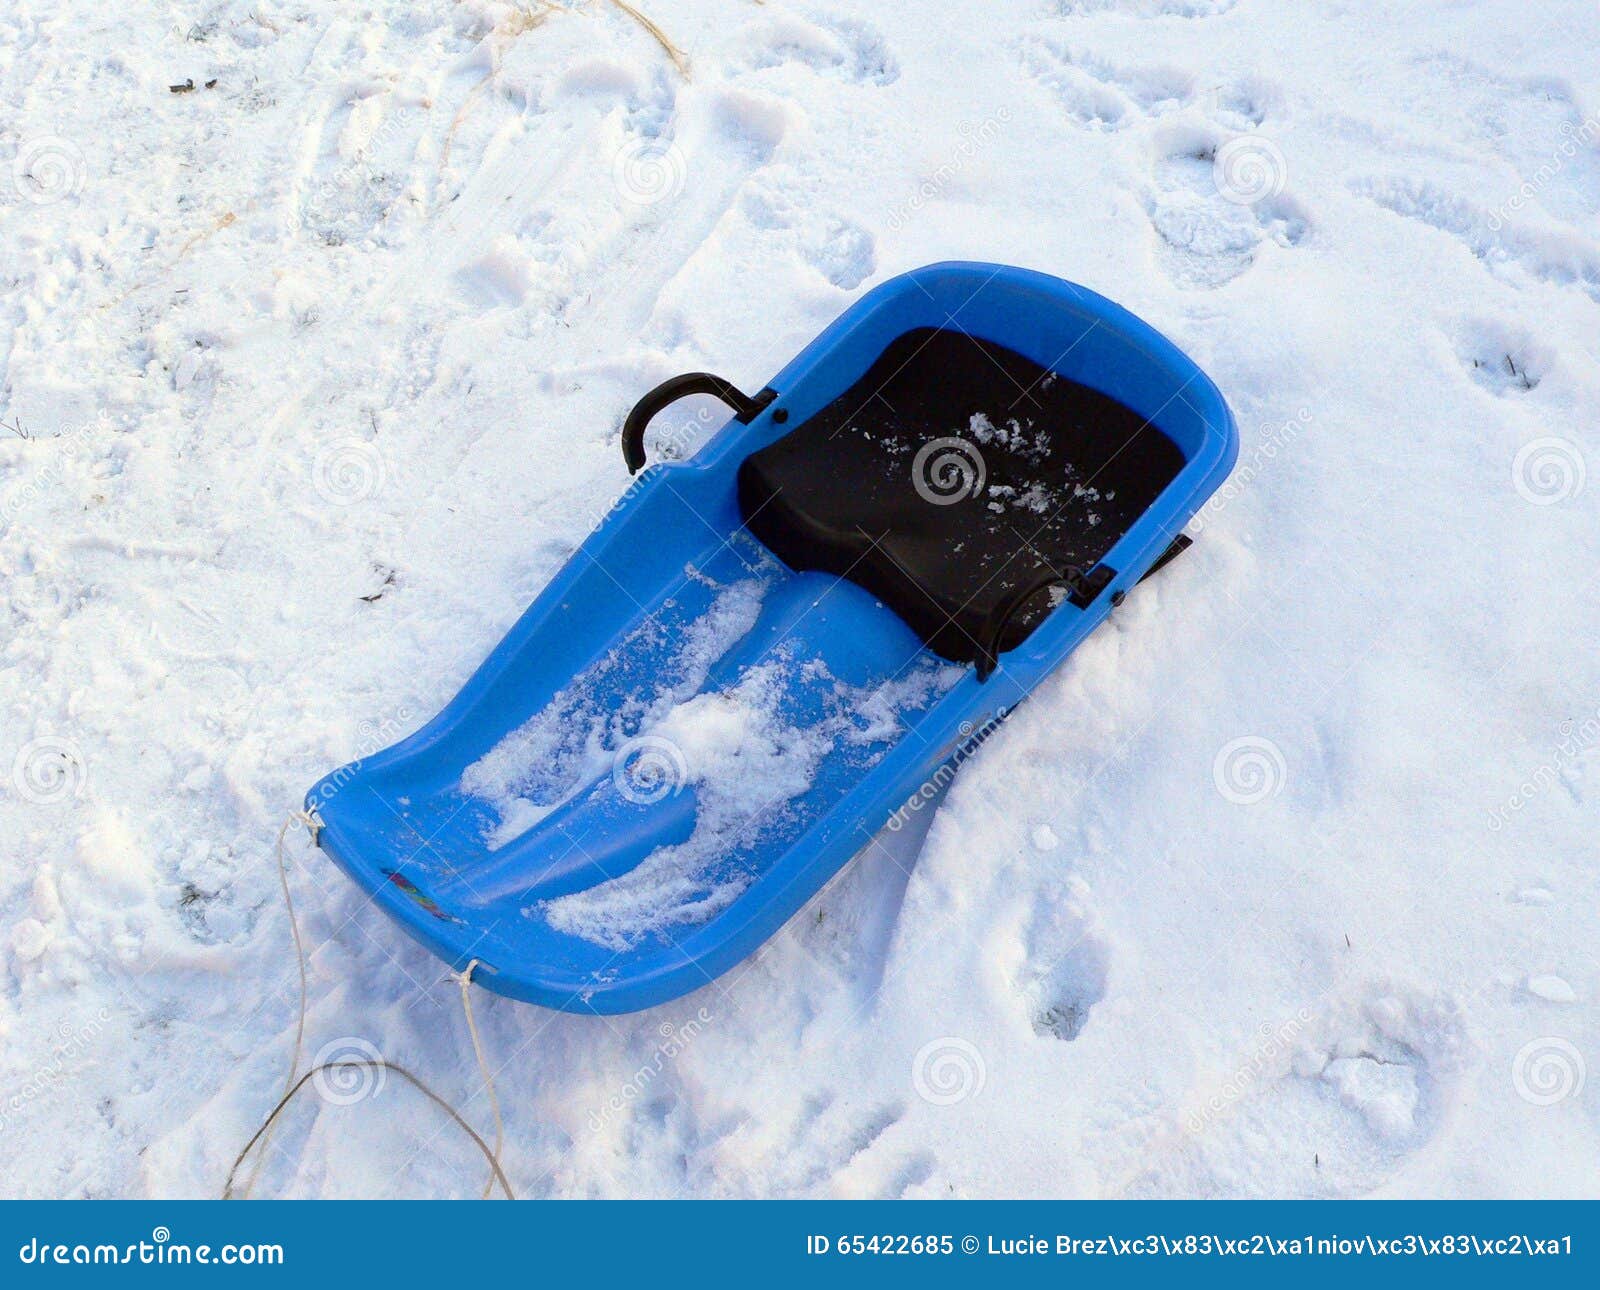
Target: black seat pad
1046,476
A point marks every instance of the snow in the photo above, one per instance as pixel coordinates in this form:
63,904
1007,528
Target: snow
575,739
313,378
746,758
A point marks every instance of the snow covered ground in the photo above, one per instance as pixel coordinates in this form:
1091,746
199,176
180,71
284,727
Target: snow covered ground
1286,885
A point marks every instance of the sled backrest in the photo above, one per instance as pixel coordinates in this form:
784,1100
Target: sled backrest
952,476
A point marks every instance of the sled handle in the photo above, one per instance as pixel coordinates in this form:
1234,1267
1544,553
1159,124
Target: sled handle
1082,588
745,408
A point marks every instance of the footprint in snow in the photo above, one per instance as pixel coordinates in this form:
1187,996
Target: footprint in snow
1066,962
1532,127
363,179
831,1146
836,247
1100,95
849,49
1503,241
1216,202
1245,104
1504,360
1347,1098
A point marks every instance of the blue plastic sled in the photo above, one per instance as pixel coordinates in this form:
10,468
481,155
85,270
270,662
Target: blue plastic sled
764,652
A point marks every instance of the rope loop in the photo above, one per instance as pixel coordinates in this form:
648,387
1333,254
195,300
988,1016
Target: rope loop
295,1082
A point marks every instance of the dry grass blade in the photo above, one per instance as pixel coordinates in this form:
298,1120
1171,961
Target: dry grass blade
680,60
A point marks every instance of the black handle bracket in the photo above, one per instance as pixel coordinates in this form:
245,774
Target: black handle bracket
1082,588
745,408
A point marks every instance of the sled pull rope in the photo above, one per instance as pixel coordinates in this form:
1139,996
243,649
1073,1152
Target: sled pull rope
463,978
293,1085
745,408
312,824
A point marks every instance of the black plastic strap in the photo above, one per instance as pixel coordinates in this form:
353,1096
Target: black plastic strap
1082,588
745,409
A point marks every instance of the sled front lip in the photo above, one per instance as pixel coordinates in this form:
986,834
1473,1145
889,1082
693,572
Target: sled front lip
458,943
445,934
640,550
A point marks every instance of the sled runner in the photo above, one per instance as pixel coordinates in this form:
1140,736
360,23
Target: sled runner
764,651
